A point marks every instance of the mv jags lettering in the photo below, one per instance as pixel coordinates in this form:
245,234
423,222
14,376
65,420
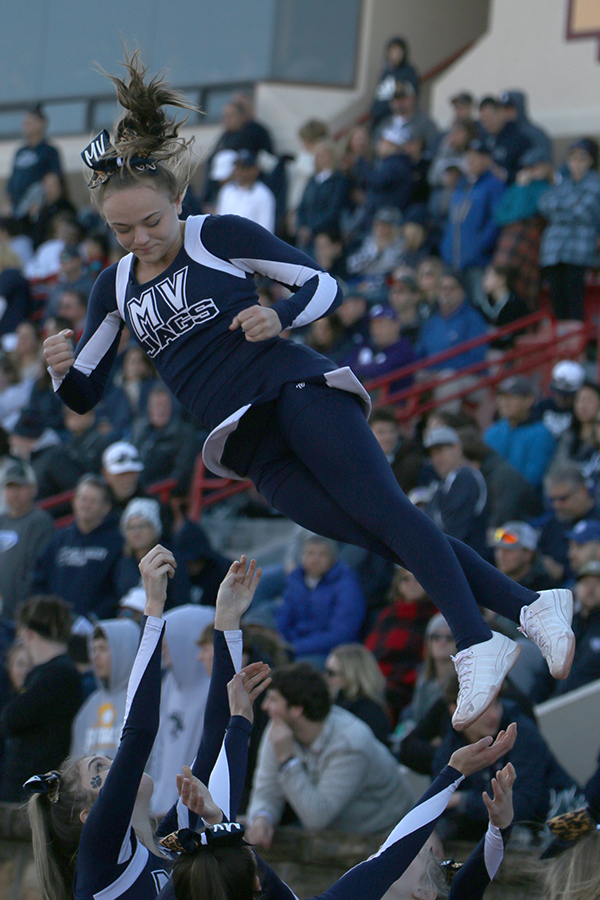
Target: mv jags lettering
151,317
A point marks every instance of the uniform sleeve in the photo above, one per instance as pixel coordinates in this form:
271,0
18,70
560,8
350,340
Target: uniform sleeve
108,824
83,385
256,250
375,876
472,879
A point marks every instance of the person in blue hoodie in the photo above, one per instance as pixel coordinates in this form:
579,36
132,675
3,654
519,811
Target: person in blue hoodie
323,605
521,440
79,564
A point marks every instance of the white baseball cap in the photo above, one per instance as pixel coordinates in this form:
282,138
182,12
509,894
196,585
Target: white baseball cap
121,457
567,376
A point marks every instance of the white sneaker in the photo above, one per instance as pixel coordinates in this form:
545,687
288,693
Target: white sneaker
547,622
481,669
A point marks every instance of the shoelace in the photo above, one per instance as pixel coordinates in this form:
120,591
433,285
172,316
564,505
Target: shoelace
464,670
531,630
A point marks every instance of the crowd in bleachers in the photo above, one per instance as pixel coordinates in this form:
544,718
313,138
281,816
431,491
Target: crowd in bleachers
436,238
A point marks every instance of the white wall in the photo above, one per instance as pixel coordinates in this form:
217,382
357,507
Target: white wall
526,47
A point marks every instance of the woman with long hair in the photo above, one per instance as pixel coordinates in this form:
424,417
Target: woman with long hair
91,825
355,683
280,414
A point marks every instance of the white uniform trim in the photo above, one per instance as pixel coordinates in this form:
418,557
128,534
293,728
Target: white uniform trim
121,281
198,252
343,379
150,638
219,781
127,878
99,344
493,852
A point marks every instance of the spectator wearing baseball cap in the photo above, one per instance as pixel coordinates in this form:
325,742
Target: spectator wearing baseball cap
515,554
514,105
522,440
405,114
122,468
586,627
556,411
569,243
385,350
459,505
463,106
24,533
584,543
245,195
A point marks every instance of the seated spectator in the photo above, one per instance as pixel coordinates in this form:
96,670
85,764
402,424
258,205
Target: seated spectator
396,640
355,683
28,354
183,700
25,531
121,469
385,351
44,405
80,562
79,654
354,316
388,182
579,442
556,411
510,495
43,268
459,505
518,215
416,233
408,118
429,273
515,554
328,337
132,604
396,68
455,321
451,149
584,543
206,568
15,298
302,167
329,254
524,442
246,195
73,276
79,454
380,252
411,748
569,242
325,762
72,306
14,394
571,501
54,200
539,772
403,454
95,252
586,627
500,305
357,162
323,604
167,446
126,398
321,204
97,726
37,721
503,137
141,528
470,236
31,440
405,299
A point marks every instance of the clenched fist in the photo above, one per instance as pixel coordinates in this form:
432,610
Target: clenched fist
58,352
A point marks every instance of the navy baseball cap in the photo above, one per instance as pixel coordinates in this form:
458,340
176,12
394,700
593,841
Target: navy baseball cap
584,531
382,312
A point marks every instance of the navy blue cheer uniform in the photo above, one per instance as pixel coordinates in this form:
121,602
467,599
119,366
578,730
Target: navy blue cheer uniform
272,414
112,864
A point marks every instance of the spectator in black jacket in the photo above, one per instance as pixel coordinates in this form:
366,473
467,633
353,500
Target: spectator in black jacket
397,68
586,626
79,564
539,772
37,721
167,446
323,198
81,453
459,505
505,141
355,683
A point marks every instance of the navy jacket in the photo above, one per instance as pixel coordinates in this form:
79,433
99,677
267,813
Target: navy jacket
81,568
322,202
471,233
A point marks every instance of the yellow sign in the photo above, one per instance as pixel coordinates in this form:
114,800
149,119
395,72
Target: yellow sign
583,19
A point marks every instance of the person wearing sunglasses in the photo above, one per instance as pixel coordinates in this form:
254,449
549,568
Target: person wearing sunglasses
515,554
